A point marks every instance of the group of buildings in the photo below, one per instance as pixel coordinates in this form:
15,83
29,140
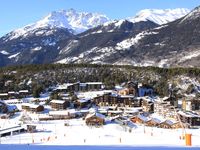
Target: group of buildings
122,101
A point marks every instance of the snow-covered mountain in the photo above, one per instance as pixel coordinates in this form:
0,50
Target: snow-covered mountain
78,22
74,21
141,41
159,16
122,42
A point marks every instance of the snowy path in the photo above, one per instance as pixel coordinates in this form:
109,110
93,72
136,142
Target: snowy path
55,133
33,147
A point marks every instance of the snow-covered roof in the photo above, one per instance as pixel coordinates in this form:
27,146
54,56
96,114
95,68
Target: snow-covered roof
30,105
127,96
118,87
188,114
23,91
64,86
165,98
170,122
157,118
131,111
83,84
115,111
13,101
143,118
3,94
10,129
93,110
94,83
148,99
12,92
84,100
63,112
95,114
12,107
58,101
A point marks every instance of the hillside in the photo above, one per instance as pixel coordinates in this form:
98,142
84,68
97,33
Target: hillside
183,80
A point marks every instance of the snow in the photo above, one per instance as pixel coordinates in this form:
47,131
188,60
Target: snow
62,112
95,114
119,23
99,52
89,147
163,63
76,22
30,105
23,91
96,83
58,101
189,56
192,15
83,100
92,94
14,55
37,48
72,44
4,52
77,133
64,86
126,44
160,16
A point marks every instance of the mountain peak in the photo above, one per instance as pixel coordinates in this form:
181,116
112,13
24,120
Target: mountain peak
160,16
194,14
76,22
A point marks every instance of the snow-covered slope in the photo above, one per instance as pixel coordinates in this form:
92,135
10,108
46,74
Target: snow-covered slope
76,22
160,16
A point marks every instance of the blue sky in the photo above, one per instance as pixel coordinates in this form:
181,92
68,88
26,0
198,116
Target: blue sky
17,13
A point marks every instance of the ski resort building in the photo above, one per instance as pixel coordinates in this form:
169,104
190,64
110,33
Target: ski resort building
59,104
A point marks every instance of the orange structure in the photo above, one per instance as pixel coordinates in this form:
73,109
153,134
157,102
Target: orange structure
188,139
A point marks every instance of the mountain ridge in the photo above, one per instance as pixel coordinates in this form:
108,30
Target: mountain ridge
138,43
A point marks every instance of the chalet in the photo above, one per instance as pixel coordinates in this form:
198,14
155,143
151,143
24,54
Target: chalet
95,119
59,104
170,124
132,111
83,103
120,120
13,94
140,119
124,91
64,114
75,87
4,96
32,107
147,105
190,118
24,93
191,104
31,128
165,109
110,99
131,88
154,122
89,86
93,86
